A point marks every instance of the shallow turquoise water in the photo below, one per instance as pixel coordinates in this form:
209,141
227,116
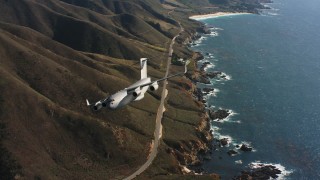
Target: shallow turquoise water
274,62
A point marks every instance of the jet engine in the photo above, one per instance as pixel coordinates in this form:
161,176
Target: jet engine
136,92
97,106
104,104
154,86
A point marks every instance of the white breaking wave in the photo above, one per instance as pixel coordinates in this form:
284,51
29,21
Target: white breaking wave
284,171
214,34
212,93
222,77
227,77
218,136
198,41
202,61
228,118
209,66
245,143
238,161
216,29
214,128
272,13
266,5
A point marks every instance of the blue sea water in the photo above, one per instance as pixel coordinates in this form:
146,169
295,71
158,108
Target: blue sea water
274,63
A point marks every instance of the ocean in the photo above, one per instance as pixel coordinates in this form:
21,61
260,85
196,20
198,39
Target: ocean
272,65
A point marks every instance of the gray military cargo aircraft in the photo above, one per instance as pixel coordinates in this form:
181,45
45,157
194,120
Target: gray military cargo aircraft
135,92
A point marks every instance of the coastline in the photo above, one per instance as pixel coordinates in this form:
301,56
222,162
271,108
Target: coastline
255,169
217,15
211,142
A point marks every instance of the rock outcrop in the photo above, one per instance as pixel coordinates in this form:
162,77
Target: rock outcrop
263,172
219,114
232,152
245,148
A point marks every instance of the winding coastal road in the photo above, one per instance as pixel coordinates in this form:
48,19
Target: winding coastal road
161,109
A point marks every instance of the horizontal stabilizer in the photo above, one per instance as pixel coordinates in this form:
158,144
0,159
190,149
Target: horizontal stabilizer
88,104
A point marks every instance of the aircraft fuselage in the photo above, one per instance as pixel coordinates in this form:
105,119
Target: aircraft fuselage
123,97
135,92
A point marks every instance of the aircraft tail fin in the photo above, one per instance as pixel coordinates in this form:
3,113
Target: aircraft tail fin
88,103
143,64
156,81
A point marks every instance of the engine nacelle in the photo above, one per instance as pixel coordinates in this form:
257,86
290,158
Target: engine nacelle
136,92
154,86
97,106
104,104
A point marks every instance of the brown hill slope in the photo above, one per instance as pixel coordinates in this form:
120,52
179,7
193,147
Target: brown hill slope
51,132
86,30
49,65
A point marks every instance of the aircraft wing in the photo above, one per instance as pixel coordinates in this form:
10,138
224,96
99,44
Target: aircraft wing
162,79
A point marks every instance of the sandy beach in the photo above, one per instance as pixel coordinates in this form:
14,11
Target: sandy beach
215,15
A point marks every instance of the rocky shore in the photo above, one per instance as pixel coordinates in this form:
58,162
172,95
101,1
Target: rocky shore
208,114
263,172
201,150
200,75
191,154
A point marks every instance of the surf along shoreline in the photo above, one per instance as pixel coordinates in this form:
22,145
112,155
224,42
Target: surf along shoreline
204,77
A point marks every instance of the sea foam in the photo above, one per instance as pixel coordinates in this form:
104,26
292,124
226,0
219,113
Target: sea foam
198,42
212,93
209,66
216,29
228,118
284,171
223,77
238,162
214,33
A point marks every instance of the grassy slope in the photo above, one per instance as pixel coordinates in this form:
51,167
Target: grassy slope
88,30
51,133
45,113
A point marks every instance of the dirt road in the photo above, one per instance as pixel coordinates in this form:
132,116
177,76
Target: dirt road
161,109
